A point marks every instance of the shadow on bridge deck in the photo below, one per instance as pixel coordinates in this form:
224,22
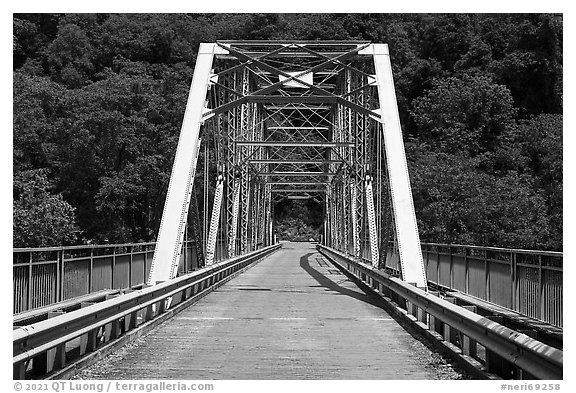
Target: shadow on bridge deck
292,316
326,282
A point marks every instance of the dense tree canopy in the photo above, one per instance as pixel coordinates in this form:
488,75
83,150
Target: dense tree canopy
99,99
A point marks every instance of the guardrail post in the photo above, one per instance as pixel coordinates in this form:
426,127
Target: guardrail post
469,346
495,363
88,340
130,320
51,359
183,295
114,329
411,308
111,330
149,312
450,334
19,371
434,324
92,340
422,316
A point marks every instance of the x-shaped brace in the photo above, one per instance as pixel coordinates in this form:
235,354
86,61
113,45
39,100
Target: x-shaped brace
258,61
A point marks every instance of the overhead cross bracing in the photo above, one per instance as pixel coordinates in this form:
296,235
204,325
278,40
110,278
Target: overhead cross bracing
294,119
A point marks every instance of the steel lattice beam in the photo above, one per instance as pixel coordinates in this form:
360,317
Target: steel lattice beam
293,119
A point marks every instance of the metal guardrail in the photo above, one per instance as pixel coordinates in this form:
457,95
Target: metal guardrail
508,353
46,275
526,281
41,348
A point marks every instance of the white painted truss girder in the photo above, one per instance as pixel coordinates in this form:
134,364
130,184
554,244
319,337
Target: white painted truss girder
411,261
171,233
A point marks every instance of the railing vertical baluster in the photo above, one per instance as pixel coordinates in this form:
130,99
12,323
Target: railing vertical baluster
29,305
91,271
466,272
59,277
486,277
513,280
451,278
113,267
540,289
144,279
425,251
130,266
437,265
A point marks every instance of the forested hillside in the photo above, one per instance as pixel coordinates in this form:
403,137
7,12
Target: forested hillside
99,99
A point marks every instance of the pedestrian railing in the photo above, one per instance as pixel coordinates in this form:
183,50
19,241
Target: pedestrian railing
47,346
526,281
46,275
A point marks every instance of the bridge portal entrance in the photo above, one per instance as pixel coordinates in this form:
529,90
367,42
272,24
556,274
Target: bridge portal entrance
277,120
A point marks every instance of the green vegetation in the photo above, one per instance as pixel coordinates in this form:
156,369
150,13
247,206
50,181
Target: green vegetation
99,98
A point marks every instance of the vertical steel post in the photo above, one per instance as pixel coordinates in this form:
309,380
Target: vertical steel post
211,247
131,247
512,282
486,276
355,234
466,272
205,199
29,306
59,280
91,272
540,289
372,223
451,274
234,225
113,267
62,275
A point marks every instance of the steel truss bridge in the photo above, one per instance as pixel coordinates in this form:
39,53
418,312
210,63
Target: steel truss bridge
309,120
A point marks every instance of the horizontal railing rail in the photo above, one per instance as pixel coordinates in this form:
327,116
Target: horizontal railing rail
499,249
80,247
33,342
528,358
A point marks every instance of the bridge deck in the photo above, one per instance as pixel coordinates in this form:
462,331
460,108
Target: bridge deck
292,316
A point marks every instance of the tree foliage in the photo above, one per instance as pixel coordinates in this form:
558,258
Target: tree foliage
464,115
41,218
99,99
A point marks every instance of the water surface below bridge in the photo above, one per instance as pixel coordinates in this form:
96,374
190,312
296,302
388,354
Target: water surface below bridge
292,316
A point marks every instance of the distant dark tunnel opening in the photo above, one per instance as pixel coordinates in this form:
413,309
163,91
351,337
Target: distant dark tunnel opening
298,219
